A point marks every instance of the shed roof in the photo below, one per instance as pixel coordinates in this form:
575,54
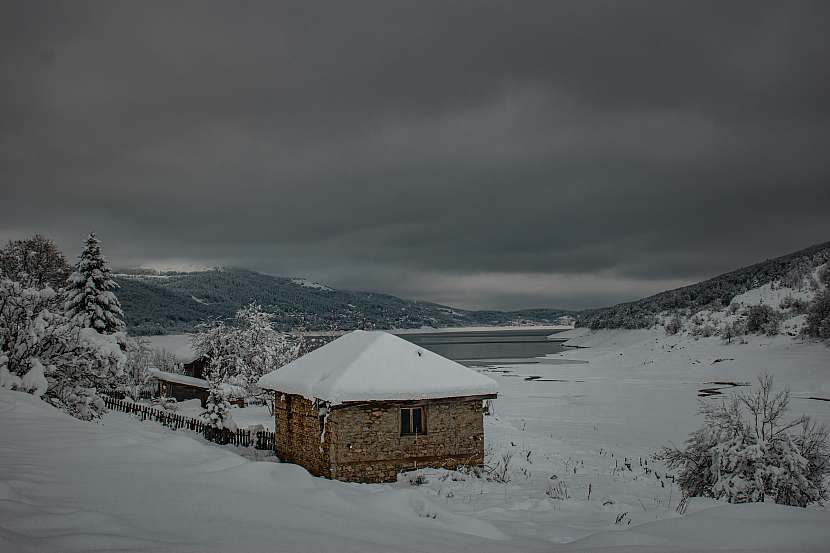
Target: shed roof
231,390
180,379
376,365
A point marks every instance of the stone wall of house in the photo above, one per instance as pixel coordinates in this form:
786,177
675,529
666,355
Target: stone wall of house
298,434
367,445
363,442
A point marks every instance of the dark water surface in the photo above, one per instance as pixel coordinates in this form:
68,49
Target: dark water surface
480,346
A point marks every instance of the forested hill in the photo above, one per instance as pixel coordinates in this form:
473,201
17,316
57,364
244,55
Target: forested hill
716,292
161,303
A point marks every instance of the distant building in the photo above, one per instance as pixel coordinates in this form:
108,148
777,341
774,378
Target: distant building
183,387
369,405
196,368
180,387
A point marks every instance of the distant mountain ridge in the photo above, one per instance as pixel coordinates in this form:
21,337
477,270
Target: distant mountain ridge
156,302
715,292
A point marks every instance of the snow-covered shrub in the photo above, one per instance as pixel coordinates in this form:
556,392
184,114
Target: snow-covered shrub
763,319
80,402
166,403
34,382
8,380
90,301
747,452
704,329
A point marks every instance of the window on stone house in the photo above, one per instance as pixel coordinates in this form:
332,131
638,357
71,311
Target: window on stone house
413,420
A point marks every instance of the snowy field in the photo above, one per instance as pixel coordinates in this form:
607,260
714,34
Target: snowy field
586,420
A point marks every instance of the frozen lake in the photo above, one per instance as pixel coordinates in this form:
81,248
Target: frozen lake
480,347
475,346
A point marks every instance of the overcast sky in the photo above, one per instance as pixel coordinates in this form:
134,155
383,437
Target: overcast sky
480,154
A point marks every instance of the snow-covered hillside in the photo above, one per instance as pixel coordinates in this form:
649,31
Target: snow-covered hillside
797,271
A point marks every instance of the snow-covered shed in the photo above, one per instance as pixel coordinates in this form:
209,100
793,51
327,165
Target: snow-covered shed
180,386
369,405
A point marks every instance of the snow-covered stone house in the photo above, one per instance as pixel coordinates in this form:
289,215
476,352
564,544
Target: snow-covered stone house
369,405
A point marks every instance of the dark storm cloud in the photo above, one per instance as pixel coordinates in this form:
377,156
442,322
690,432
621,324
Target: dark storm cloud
488,154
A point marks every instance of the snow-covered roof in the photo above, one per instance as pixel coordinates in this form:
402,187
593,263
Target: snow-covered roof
180,379
375,365
230,390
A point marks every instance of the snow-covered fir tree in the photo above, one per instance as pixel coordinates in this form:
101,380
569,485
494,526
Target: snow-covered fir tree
90,300
218,409
45,354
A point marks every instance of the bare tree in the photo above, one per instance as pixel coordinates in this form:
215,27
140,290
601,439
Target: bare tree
34,262
674,325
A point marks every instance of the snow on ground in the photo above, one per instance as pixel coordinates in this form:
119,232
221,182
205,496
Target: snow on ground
67,486
584,420
590,418
244,417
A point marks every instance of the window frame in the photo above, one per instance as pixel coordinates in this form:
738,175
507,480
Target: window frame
411,408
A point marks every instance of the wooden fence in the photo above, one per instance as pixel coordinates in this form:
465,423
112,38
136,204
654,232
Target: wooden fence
121,394
262,439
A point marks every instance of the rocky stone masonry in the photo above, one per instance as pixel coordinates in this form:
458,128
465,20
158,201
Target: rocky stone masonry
298,434
361,442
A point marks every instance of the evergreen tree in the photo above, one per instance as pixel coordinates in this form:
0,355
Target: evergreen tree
218,409
45,354
90,301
